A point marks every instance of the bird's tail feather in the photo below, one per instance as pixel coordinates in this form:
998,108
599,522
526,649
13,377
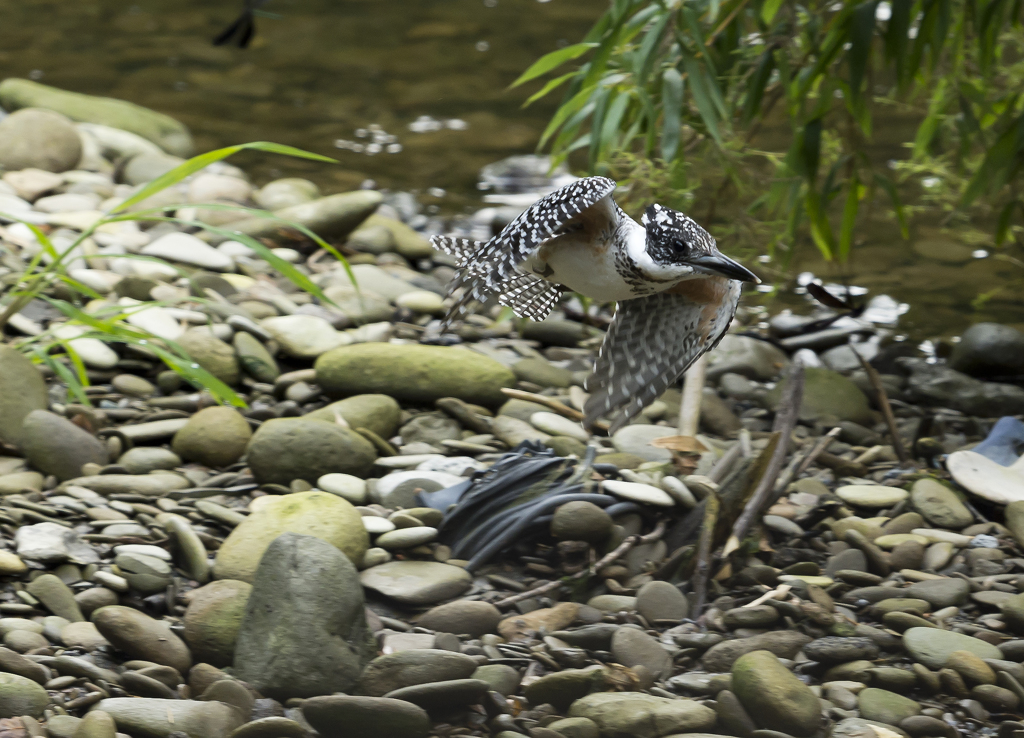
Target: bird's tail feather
461,248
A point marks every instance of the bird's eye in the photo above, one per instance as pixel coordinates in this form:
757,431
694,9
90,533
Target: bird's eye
680,247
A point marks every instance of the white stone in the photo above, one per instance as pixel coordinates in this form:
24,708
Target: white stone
187,249
92,351
50,543
143,550
422,301
371,333
937,535
981,476
67,202
154,320
236,249
143,268
97,279
304,336
371,278
206,188
682,494
115,143
12,205
77,220
558,425
290,255
871,495
457,465
406,537
398,487
635,492
377,525
31,183
347,486
636,439
407,461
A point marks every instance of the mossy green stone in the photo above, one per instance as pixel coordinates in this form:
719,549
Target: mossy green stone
828,393
22,390
317,514
212,354
256,361
378,413
413,373
163,130
932,647
21,696
885,706
285,449
213,618
215,436
773,696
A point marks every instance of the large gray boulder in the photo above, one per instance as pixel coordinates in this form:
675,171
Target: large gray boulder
304,630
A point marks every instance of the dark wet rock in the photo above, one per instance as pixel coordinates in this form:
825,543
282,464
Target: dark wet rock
633,647
441,696
304,632
318,514
342,716
284,449
661,601
55,445
828,393
581,521
836,650
989,350
934,384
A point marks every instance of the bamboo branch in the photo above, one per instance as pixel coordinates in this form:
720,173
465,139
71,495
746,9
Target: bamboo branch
620,550
785,422
703,567
883,404
693,392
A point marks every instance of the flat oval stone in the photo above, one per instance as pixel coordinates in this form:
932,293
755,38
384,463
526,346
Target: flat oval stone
932,647
407,537
871,495
894,539
637,492
557,425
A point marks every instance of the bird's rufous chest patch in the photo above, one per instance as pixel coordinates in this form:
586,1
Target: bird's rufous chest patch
711,292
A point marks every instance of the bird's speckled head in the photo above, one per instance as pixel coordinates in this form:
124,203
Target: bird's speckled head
677,244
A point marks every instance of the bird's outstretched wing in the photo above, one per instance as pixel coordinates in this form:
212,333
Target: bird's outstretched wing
650,344
491,268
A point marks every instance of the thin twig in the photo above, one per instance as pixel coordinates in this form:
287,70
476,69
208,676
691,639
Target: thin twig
785,422
724,465
819,448
883,403
703,567
549,402
693,393
620,550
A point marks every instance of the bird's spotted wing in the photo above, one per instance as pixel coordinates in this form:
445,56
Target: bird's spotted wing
491,268
530,296
650,344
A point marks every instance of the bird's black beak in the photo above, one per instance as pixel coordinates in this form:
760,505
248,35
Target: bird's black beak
724,266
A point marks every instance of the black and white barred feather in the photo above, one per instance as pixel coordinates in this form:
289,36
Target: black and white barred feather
491,268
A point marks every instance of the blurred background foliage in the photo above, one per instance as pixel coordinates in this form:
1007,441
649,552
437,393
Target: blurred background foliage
759,116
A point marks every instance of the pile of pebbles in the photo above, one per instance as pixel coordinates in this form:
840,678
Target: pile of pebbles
170,567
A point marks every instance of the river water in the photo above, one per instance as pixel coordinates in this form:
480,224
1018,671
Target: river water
412,94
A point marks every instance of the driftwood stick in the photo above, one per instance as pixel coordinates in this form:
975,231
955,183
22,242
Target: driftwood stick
785,422
549,402
693,392
817,450
620,550
702,570
883,403
725,464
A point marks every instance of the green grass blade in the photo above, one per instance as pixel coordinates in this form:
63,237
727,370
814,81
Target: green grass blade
550,85
553,60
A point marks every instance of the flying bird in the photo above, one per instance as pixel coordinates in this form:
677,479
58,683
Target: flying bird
676,292
240,32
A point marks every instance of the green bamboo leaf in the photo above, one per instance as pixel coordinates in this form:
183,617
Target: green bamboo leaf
821,230
849,218
193,165
897,204
1000,160
613,122
553,60
896,36
596,125
705,106
548,87
930,125
756,85
672,105
567,109
811,148
646,53
1005,219
768,11
861,34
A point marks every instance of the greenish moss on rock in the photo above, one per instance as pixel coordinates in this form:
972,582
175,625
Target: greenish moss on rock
167,133
317,514
413,373
22,390
773,696
215,436
285,449
828,393
213,618
378,413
